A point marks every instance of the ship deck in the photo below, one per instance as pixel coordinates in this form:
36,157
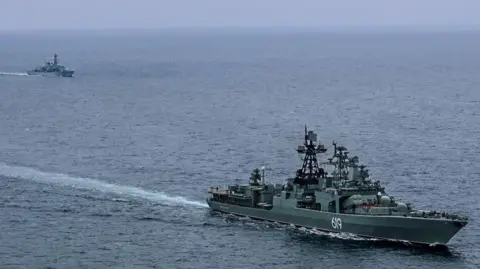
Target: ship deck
218,191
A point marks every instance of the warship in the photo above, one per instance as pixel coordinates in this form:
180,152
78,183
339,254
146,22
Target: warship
52,69
336,195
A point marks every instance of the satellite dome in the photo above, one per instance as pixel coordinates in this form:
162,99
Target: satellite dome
385,200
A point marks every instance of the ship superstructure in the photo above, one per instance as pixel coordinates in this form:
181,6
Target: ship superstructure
52,69
345,199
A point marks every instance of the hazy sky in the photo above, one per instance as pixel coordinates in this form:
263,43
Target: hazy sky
67,14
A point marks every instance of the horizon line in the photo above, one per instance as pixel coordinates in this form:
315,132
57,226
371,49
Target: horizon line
252,30
259,28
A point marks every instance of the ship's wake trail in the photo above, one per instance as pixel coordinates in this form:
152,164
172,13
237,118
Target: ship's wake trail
26,173
13,74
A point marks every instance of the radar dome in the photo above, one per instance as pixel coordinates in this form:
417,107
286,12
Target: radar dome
385,200
402,206
353,200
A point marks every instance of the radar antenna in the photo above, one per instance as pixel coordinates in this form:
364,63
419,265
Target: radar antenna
341,162
310,171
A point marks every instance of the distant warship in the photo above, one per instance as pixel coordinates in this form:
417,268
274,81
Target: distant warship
344,200
52,69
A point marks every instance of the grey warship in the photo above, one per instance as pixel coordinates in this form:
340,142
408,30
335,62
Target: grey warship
337,195
52,69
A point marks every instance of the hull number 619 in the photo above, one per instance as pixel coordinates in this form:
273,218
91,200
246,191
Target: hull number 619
336,223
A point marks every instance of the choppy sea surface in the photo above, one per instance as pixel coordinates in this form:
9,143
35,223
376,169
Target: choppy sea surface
109,169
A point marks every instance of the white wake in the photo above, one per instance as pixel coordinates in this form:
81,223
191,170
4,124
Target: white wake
26,173
13,74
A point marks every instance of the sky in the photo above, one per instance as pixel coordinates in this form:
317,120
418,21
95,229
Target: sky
157,14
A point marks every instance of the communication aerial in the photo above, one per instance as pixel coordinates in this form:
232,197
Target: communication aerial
310,171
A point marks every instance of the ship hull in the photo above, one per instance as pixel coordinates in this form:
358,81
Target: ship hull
65,73
415,230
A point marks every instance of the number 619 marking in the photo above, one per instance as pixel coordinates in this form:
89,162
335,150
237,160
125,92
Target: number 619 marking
336,223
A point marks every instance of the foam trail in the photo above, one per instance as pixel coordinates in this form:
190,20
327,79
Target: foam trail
13,74
92,184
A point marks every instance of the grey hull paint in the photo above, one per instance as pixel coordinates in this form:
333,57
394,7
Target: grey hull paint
68,73
414,230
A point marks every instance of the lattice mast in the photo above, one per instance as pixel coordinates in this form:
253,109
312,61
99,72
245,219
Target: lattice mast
310,171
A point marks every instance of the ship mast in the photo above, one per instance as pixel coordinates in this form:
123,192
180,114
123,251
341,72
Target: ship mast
310,171
340,154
